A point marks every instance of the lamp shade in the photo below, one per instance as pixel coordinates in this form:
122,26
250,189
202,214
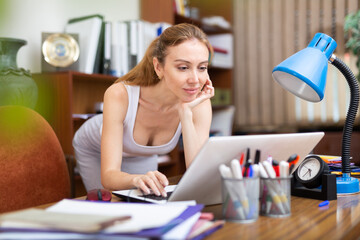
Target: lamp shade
304,73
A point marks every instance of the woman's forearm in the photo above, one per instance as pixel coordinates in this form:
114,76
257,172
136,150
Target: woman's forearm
192,140
117,180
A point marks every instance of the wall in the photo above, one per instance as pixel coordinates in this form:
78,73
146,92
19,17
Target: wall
26,19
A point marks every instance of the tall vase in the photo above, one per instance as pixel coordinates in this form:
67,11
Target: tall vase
16,85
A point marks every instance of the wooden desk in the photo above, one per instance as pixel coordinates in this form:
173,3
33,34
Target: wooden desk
339,220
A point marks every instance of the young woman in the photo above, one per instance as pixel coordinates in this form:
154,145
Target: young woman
145,111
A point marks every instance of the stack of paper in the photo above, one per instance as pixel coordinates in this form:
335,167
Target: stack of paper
102,219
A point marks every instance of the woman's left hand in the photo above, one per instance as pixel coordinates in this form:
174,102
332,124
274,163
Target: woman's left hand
207,92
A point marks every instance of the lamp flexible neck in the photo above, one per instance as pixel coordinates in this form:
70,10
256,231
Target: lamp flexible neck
351,114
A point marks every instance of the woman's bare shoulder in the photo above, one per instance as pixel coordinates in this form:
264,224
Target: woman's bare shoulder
117,91
115,102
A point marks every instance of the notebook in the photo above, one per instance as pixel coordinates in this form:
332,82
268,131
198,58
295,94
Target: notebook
202,181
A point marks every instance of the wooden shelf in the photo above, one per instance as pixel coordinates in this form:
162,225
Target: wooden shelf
208,29
92,77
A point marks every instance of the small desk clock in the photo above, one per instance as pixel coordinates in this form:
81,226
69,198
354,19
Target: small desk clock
310,171
313,180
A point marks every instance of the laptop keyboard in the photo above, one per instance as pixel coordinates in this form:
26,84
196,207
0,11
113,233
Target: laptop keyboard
155,197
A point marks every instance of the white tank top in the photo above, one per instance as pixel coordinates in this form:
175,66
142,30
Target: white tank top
130,147
88,137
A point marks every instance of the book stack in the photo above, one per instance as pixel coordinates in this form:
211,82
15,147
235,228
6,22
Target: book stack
130,41
77,219
90,30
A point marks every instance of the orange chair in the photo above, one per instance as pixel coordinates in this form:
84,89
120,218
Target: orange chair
33,170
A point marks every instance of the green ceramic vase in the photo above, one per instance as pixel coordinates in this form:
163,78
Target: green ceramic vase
16,85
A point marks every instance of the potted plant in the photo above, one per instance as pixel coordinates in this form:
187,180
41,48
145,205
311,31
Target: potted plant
352,29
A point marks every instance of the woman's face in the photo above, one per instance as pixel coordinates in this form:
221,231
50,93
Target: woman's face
185,69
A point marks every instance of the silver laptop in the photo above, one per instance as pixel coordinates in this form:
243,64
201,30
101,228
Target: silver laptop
202,181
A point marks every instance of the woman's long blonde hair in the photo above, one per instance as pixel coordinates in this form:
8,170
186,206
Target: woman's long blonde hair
143,74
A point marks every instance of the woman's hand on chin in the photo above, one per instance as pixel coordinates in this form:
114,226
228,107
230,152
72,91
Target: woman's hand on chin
207,92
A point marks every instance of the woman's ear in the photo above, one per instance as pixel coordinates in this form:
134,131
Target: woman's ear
158,67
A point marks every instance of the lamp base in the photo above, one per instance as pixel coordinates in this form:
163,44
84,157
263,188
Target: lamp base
347,184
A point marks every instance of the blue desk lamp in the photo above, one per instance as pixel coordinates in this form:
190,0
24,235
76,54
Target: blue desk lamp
304,74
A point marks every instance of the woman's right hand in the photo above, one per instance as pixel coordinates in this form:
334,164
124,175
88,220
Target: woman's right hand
154,180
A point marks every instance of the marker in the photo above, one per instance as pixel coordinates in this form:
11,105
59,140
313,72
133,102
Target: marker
262,171
256,170
284,173
247,168
257,156
226,173
284,169
247,154
269,169
276,187
324,203
276,167
293,159
275,198
236,171
242,158
247,164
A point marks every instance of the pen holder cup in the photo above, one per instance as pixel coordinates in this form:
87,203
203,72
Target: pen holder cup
275,196
240,199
